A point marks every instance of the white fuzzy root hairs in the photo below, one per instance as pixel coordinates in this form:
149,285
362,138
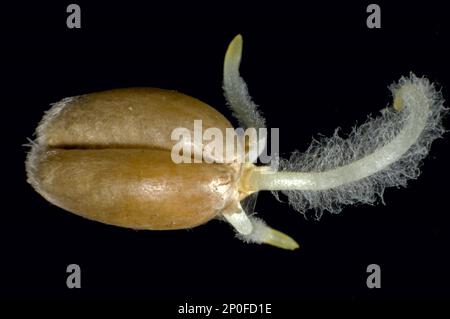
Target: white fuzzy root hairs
386,151
235,89
248,228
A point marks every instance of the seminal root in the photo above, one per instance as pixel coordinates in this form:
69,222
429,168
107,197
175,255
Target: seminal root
386,151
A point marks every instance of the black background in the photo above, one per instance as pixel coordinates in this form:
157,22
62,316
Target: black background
311,68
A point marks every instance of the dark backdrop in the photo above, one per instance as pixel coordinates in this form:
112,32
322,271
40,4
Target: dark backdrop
311,68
